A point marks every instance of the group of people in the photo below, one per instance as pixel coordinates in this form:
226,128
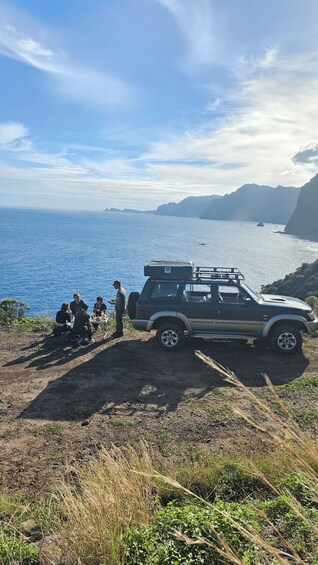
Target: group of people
83,325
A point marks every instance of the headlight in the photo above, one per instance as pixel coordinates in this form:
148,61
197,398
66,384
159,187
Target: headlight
311,315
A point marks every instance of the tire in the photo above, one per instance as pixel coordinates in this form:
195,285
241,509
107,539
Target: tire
132,302
170,337
286,339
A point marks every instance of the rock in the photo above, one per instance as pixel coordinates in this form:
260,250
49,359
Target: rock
50,551
85,423
31,530
3,412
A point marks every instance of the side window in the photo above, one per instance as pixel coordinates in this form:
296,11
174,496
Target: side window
196,293
231,294
165,290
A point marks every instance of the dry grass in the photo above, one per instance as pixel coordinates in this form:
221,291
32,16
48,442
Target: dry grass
108,499
116,491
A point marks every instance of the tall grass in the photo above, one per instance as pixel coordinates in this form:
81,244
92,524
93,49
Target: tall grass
108,499
115,498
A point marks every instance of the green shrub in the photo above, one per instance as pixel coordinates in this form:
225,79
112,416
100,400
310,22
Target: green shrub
313,302
235,485
301,487
41,323
13,313
282,512
158,544
12,310
15,550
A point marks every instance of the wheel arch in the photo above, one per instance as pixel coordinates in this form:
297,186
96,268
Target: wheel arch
166,319
297,322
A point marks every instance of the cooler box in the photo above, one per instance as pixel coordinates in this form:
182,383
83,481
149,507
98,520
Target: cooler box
169,270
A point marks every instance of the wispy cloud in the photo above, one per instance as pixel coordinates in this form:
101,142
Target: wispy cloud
69,77
196,21
273,114
11,134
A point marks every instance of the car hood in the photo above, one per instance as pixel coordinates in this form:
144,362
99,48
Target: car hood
285,301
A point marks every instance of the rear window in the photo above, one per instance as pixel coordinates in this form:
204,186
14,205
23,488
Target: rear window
164,290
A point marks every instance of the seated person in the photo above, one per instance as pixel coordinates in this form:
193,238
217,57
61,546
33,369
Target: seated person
82,325
99,310
62,316
77,304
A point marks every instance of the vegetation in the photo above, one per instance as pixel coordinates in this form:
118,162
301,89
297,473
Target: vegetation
17,546
13,314
120,510
303,283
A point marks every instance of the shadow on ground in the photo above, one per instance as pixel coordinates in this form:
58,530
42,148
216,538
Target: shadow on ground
137,375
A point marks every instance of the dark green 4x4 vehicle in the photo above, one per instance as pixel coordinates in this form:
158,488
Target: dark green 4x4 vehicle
180,300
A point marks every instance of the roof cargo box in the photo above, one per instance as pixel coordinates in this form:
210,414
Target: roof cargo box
169,270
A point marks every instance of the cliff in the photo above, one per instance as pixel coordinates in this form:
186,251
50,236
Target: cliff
252,202
191,207
304,220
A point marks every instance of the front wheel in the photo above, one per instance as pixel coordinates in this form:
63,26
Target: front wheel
170,337
286,339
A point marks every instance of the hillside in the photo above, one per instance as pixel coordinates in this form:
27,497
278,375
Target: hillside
59,403
304,220
302,283
191,207
252,202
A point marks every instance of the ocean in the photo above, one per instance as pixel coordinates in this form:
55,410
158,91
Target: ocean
46,255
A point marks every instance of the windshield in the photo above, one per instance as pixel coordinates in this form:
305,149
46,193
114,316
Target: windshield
255,295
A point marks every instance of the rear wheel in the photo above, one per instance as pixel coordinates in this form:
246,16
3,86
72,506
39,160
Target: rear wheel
170,337
286,339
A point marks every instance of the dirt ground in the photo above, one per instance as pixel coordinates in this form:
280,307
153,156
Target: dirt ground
59,404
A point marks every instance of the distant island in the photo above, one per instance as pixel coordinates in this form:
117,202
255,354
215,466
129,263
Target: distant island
295,207
129,211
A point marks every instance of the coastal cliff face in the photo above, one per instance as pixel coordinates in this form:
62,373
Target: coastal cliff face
252,202
304,220
191,207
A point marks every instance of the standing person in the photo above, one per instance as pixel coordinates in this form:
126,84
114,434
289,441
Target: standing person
62,316
77,304
120,302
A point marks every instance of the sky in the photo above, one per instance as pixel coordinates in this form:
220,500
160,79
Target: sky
133,103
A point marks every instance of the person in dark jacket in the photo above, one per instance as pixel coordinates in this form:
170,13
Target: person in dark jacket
77,304
99,311
82,324
62,317
120,303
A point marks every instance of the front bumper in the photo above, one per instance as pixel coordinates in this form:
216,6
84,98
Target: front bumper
312,326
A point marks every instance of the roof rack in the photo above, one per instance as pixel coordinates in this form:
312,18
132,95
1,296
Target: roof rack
219,273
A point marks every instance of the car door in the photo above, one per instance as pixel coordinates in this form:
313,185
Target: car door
198,307
237,312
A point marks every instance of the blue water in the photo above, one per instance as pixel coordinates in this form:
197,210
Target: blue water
46,256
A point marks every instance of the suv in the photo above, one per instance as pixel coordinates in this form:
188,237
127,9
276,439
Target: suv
180,300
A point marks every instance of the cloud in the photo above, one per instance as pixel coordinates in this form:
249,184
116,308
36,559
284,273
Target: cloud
273,113
308,154
70,79
11,134
197,24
